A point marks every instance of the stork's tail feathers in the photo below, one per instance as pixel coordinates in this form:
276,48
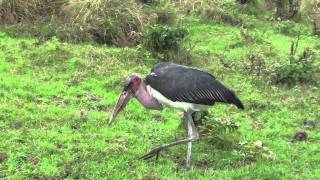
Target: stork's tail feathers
236,101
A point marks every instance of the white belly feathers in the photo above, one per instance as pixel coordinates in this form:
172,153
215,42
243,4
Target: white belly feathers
185,106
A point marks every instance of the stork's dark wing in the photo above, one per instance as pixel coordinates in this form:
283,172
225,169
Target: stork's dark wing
187,84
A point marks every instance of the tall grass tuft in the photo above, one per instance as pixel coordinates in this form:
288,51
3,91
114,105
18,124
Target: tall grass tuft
18,11
106,21
112,22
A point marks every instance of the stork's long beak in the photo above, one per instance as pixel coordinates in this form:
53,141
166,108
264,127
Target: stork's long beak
122,102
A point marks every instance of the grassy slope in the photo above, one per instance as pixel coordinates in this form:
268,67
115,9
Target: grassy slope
55,99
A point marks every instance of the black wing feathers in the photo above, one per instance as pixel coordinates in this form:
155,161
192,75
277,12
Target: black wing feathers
187,84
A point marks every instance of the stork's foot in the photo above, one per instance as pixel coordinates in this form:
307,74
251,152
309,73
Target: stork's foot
152,153
188,167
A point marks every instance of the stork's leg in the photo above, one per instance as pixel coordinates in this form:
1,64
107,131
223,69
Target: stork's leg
188,162
193,136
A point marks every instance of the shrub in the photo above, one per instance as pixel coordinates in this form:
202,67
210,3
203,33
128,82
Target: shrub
296,70
290,28
164,40
166,15
161,13
182,56
311,9
254,151
247,38
257,63
224,13
252,37
222,132
196,6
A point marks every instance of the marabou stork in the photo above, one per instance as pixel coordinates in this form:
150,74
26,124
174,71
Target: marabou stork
178,86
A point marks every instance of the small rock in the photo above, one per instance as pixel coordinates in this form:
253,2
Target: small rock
3,157
317,121
16,125
103,108
158,118
300,136
258,143
33,160
94,97
311,124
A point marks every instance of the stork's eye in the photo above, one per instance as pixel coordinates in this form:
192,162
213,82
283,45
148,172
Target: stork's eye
136,79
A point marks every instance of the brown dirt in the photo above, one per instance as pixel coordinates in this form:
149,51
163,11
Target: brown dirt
3,157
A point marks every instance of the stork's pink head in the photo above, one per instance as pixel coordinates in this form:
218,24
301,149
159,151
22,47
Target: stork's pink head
131,85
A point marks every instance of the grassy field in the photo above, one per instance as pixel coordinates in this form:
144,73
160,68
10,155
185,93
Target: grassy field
55,99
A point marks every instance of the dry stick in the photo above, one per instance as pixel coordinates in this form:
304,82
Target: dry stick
294,47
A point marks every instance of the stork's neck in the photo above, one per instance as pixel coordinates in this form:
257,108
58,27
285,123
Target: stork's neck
146,99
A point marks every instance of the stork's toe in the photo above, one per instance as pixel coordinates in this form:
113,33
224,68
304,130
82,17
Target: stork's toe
152,153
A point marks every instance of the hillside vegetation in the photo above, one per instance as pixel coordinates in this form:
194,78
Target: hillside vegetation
62,71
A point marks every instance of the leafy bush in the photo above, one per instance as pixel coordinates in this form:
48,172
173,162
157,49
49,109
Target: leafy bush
224,14
311,9
164,40
221,131
252,37
166,15
290,28
197,6
248,37
296,70
160,13
257,63
253,151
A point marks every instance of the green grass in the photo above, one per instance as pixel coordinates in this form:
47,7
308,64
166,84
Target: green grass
55,99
